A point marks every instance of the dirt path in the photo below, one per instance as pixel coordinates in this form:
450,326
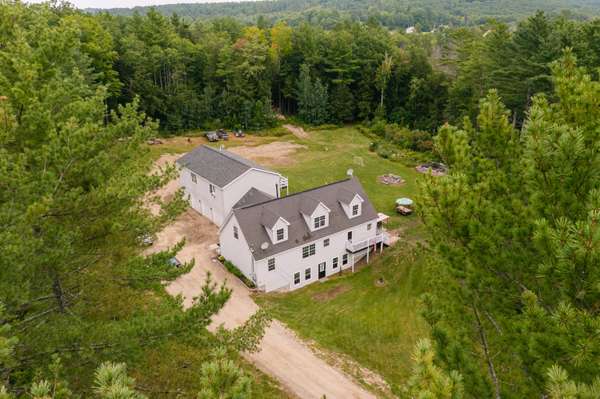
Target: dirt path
282,355
297,131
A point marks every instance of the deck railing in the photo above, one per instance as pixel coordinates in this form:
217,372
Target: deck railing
356,246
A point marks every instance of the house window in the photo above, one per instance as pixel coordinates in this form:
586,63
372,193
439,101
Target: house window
350,236
211,189
355,210
271,264
297,278
194,180
280,234
235,233
335,263
345,259
308,250
326,242
319,222
369,226
307,274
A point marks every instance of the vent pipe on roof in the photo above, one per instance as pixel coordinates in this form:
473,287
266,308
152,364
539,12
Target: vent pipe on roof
350,173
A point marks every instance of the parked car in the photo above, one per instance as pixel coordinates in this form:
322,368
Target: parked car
223,135
212,136
239,133
175,262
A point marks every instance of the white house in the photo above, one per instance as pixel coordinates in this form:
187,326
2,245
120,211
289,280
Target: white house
216,180
287,243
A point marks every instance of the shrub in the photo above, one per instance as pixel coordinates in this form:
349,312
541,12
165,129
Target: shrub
236,272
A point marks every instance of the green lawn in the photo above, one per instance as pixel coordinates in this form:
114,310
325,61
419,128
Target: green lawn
331,153
375,325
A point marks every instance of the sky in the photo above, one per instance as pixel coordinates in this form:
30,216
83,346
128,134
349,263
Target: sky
129,3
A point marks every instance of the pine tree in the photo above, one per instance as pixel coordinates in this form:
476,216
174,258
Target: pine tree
515,231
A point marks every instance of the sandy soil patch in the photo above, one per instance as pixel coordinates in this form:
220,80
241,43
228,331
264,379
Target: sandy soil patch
275,153
297,131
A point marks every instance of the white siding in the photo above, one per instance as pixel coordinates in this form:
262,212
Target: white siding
200,197
289,262
235,250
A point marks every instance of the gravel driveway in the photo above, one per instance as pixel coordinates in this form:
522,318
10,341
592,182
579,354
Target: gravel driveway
282,355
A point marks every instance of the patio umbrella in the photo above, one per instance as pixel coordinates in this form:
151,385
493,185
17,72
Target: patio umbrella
404,201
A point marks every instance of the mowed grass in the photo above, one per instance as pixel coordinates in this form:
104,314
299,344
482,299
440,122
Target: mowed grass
376,325
329,155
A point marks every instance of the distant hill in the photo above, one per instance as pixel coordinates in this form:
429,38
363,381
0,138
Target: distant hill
392,13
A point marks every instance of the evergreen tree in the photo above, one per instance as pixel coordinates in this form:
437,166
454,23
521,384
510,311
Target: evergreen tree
515,231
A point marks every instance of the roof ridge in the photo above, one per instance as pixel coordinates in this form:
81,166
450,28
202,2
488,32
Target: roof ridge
227,154
298,193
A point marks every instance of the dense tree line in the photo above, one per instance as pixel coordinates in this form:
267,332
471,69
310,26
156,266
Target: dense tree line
425,14
226,73
223,72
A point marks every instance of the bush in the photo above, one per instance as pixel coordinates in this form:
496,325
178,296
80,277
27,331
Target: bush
236,272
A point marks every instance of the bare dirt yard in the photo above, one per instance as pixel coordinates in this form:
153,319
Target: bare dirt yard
293,362
297,131
275,153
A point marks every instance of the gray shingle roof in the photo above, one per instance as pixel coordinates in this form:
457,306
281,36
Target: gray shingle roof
252,197
250,218
220,167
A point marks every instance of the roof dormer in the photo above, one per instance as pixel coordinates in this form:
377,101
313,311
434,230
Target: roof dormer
351,203
275,226
315,213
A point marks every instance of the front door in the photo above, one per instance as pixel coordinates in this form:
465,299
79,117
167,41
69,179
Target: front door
322,267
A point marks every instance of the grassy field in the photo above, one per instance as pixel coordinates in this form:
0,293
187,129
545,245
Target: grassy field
375,325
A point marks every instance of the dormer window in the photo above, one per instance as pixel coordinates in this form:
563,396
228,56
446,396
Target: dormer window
319,222
351,203
280,234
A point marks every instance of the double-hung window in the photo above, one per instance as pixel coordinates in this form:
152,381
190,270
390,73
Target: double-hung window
211,189
271,264
307,274
355,210
308,250
280,234
326,242
345,259
297,278
194,179
235,232
335,263
319,221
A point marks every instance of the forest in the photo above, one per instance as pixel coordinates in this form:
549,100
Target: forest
513,108
394,14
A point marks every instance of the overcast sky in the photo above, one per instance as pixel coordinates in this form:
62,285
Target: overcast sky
130,3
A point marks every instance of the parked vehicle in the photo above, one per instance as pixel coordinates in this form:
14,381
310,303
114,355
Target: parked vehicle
212,136
223,135
175,262
239,133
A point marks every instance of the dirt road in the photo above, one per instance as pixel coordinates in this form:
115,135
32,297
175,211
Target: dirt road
282,355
